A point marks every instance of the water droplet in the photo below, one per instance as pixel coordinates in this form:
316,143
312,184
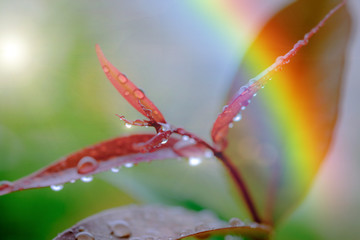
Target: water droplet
139,93
120,229
122,78
243,108
235,222
106,69
127,93
208,153
5,187
237,118
87,165
252,81
253,225
279,59
84,236
165,140
262,86
56,188
254,95
185,138
202,227
72,181
231,125
115,170
87,178
128,165
194,161
242,89
128,125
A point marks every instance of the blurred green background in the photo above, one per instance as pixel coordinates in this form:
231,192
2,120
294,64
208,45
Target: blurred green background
54,99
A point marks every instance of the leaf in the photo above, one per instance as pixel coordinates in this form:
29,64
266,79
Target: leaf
286,132
232,112
98,158
134,95
158,222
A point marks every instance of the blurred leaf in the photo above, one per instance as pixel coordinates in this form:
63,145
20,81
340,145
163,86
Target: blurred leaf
286,132
159,222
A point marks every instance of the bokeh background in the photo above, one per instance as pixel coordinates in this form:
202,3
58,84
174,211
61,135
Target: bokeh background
54,99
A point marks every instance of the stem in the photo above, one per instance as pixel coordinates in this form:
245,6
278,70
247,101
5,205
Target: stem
235,174
240,183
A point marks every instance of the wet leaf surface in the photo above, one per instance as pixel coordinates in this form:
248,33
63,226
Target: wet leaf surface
117,152
287,129
158,222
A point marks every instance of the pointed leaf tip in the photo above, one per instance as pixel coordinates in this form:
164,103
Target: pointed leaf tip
243,96
134,95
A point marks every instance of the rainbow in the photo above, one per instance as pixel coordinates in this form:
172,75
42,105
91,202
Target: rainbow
300,117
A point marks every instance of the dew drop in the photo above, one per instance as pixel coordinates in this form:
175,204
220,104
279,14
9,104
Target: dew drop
56,188
242,89
235,222
165,140
237,118
139,93
122,78
279,60
252,81
254,95
106,69
84,236
87,178
231,125
72,181
202,227
208,153
253,225
185,138
128,165
194,161
120,229
243,108
5,187
115,170
128,125
87,165
262,86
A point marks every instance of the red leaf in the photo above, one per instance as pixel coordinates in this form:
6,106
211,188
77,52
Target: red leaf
242,98
287,130
135,96
97,158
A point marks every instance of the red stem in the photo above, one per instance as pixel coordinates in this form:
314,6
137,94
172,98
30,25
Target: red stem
235,174
240,183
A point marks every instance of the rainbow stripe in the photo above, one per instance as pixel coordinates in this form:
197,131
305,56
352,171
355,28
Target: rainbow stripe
287,105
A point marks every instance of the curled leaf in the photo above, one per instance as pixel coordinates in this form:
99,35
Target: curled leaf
98,158
134,95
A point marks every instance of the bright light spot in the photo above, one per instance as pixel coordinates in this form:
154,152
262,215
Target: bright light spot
194,161
13,52
128,125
